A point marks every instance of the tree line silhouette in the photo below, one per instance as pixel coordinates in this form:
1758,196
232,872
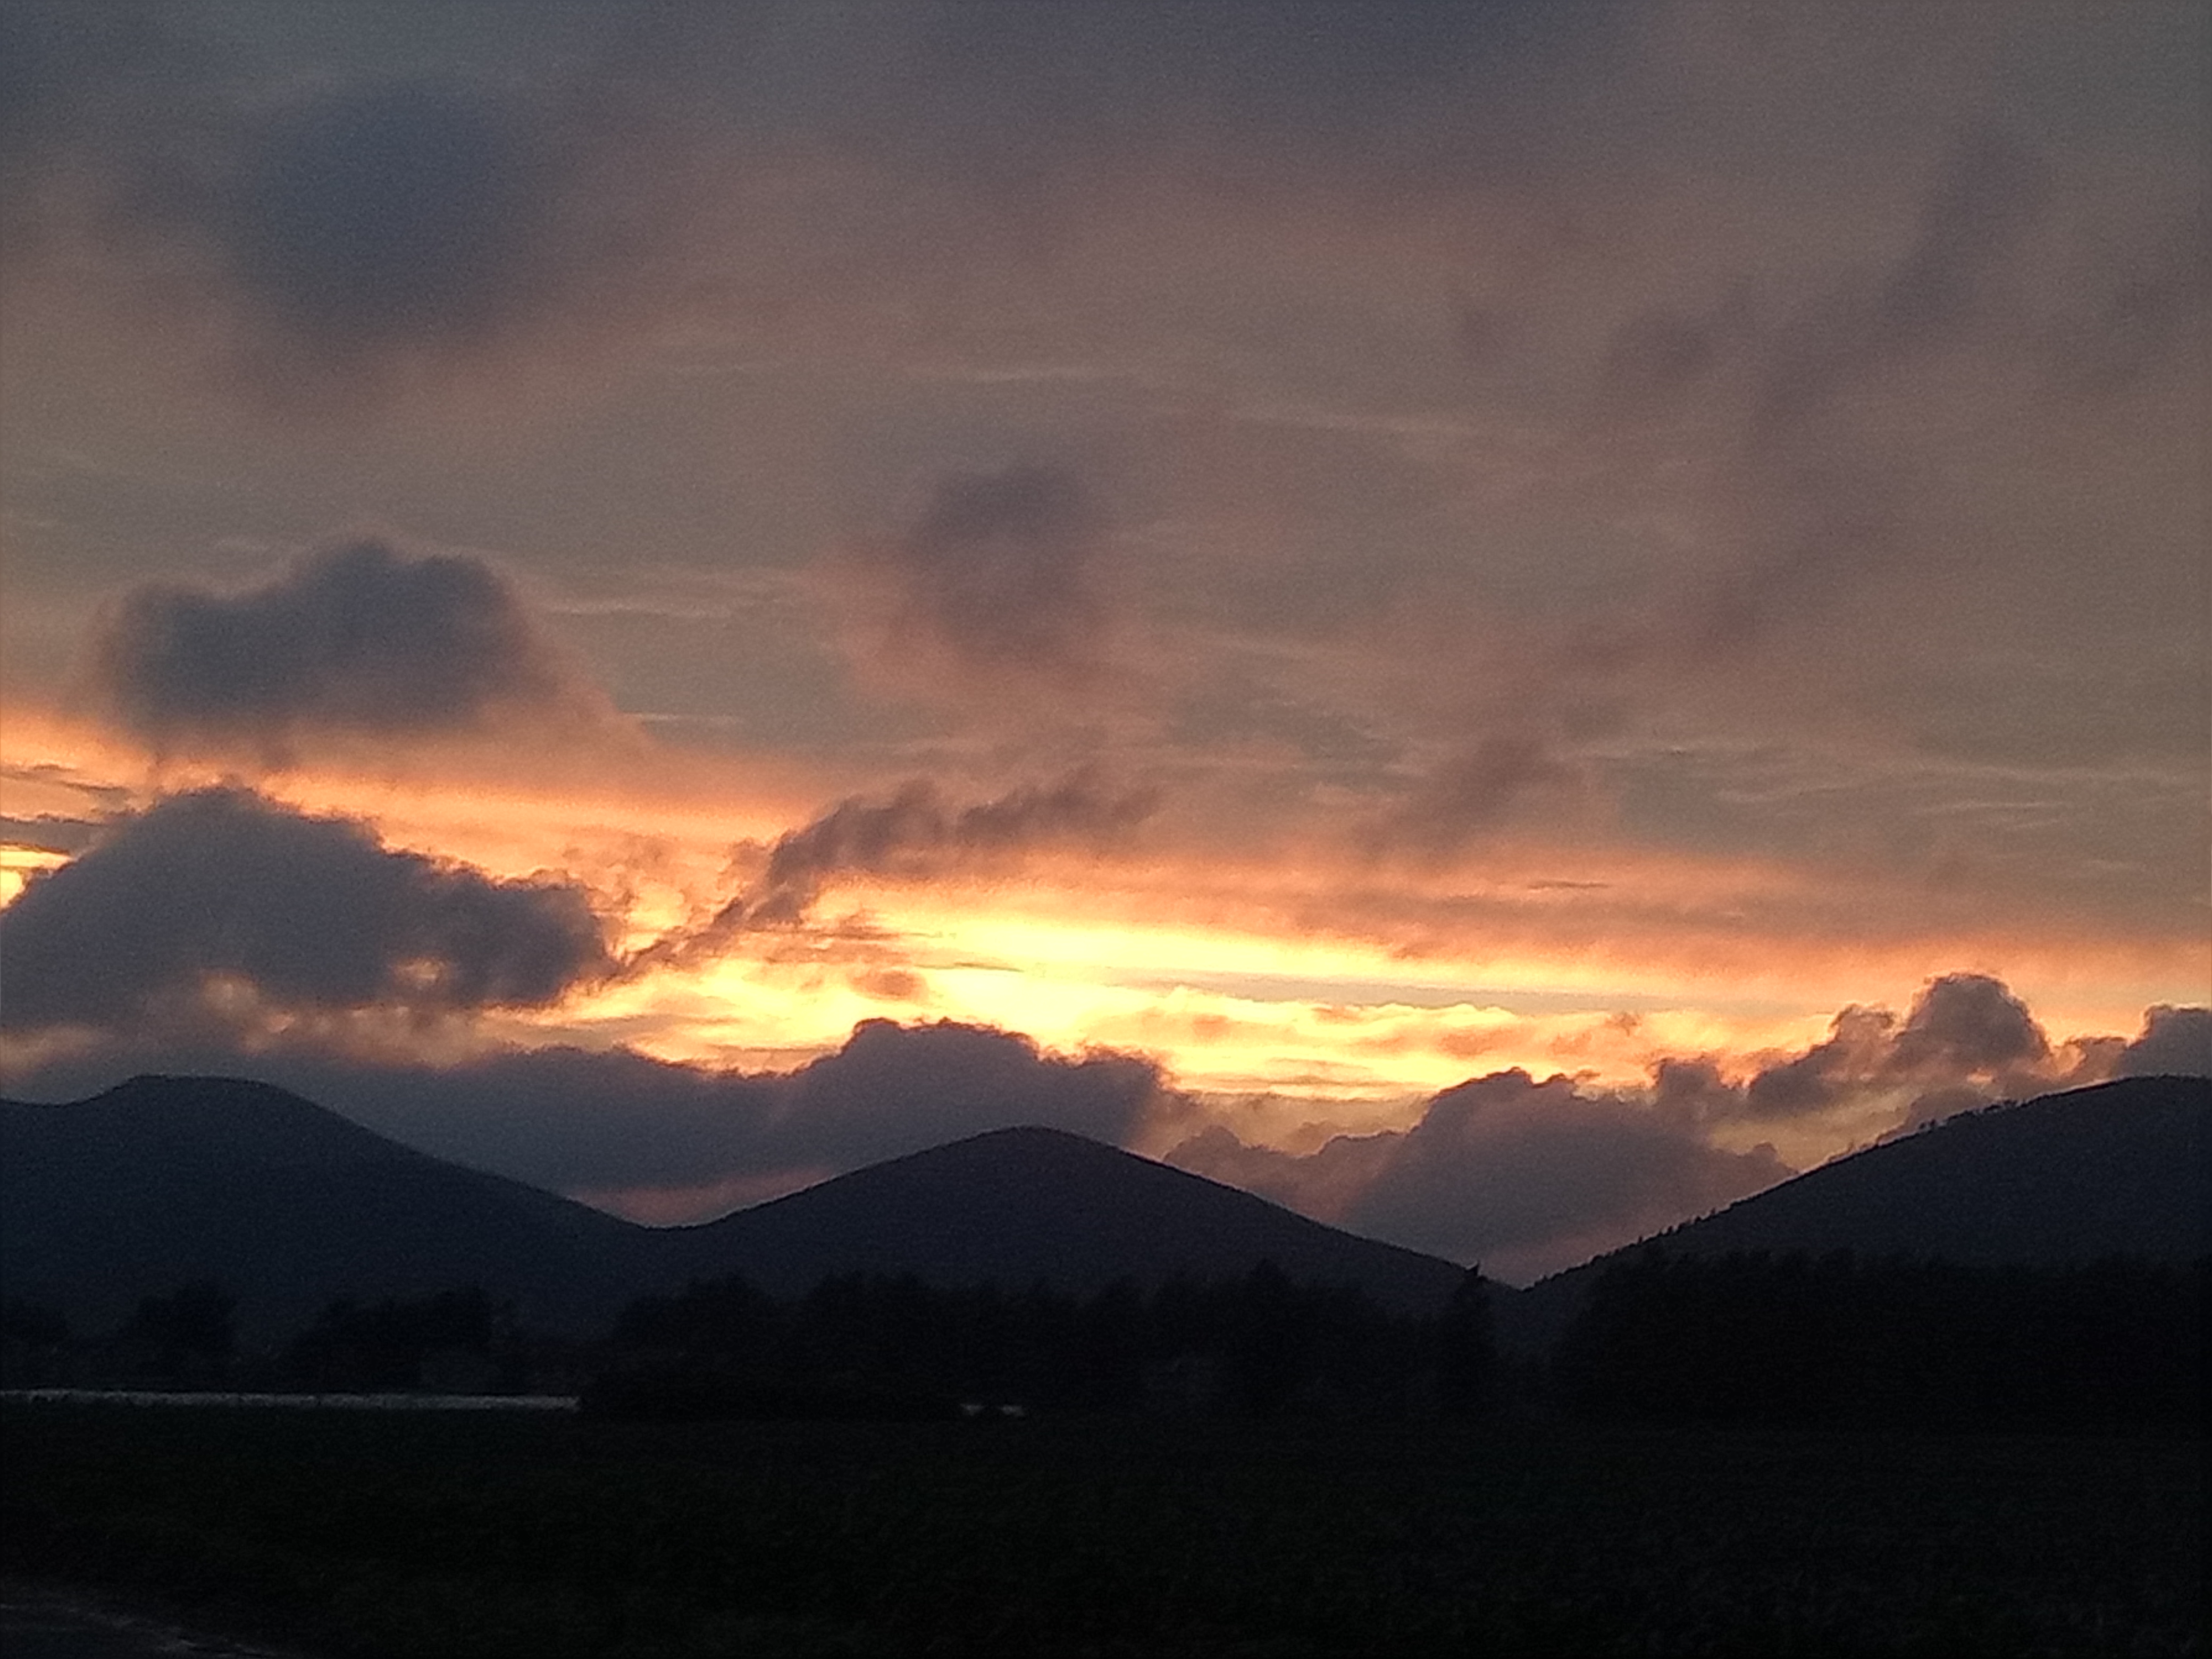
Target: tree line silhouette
1783,1341
1795,1340
1258,1345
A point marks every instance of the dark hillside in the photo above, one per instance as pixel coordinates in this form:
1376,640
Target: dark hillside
165,1179
1017,1206
2117,1170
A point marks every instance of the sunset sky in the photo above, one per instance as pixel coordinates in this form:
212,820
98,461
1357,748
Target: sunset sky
1504,622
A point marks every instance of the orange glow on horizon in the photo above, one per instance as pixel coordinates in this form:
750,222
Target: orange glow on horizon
1299,977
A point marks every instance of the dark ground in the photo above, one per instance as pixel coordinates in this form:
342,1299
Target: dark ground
416,1534
42,1622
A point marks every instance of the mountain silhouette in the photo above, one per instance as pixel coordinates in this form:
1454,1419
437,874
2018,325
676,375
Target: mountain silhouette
2116,1170
165,1179
1017,1206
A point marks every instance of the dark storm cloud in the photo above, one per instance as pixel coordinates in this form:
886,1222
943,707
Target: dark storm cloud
995,586
916,832
2175,1043
1504,1161
220,887
357,639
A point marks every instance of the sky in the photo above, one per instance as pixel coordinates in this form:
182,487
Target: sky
1502,622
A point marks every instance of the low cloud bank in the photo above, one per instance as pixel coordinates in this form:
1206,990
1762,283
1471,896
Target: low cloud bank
1529,1176
1521,1176
656,1138
218,932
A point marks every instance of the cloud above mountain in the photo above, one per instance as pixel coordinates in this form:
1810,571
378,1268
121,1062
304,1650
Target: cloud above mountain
674,1142
218,905
1530,1176
2175,1043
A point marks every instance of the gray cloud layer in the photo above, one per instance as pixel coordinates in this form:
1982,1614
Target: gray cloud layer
357,639
175,910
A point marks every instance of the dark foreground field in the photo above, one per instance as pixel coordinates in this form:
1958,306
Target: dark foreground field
418,1533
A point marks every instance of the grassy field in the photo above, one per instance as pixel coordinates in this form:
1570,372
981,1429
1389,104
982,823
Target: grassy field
416,1534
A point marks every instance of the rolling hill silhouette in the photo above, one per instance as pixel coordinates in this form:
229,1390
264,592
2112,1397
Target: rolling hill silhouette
1015,1205
2115,1170
165,1179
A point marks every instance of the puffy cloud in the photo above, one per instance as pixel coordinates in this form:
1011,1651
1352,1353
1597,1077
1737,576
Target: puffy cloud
2175,1043
895,1088
176,910
1966,1040
994,589
1503,1165
1815,1081
1526,1177
1530,1176
359,639
1969,1025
